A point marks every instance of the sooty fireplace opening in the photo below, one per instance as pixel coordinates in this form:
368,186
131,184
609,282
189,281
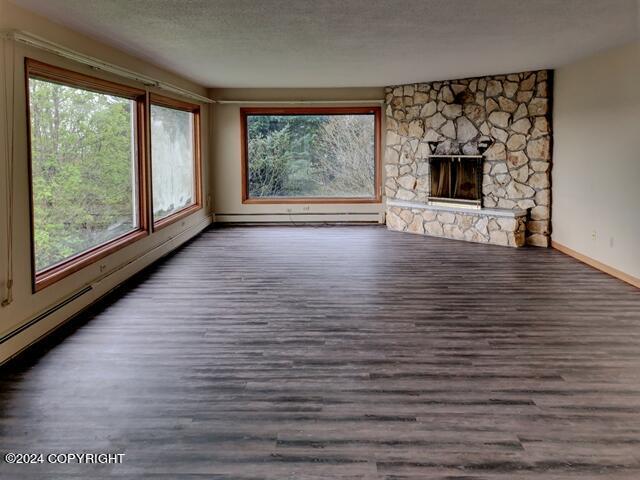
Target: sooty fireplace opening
456,180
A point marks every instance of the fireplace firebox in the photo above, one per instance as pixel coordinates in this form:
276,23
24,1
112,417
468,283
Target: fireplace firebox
456,180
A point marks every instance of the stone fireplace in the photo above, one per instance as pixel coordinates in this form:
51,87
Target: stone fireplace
440,180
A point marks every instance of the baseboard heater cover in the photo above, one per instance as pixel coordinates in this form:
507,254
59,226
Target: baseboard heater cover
83,291
300,218
45,314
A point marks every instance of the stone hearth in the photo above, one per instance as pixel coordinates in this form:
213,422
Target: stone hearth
488,225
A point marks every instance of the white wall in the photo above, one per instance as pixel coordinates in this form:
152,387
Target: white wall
226,178
113,269
596,171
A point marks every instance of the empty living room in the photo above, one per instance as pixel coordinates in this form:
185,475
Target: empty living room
320,239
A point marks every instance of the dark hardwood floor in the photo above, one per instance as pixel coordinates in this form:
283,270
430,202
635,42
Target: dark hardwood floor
340,353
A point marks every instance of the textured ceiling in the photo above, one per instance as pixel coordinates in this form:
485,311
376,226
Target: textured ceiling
341,43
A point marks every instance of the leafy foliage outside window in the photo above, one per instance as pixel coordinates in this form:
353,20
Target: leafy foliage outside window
311,155
83,170
172,156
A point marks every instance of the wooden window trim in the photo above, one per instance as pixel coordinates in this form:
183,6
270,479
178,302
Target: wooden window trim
244,139
168,102
42,71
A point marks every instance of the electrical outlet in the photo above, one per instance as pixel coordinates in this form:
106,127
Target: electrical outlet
594,235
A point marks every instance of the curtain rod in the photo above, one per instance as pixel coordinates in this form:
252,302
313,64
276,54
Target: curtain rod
42,44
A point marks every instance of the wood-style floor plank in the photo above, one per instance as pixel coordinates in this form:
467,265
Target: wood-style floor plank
340,353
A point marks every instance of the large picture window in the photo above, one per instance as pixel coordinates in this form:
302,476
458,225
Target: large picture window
313,155
87,181
175,159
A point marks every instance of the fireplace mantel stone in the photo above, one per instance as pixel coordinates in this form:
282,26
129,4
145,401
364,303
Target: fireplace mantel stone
485,225
492,212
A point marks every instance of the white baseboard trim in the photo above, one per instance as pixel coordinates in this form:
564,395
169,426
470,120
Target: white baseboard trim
592,262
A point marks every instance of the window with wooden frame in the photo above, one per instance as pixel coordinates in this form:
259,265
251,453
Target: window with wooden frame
311,155
87,169
175,160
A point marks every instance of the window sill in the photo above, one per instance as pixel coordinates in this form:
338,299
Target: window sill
174,217
57,272
303,200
